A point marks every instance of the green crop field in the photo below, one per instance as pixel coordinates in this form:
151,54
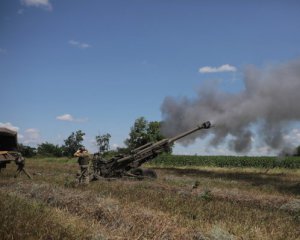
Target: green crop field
227,161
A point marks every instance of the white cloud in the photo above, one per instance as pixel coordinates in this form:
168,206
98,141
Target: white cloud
20,136
220,150
45,4
73,42
264,151
84,45
69,118
115,146
223,68
65,117
20,11
31,136
9,126
79,44
3,51
293,137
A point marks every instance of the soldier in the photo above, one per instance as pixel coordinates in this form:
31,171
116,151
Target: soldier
83,161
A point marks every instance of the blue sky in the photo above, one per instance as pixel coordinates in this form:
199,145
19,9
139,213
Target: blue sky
98,65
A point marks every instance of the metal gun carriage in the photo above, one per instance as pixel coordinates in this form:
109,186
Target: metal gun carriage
9,151
129,165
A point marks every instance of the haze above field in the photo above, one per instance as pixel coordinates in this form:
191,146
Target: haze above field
99,65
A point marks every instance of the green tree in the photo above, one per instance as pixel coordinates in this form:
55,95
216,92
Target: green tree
153,131
26,151
73,142
49,150
103,142
297,151
143,132
138,134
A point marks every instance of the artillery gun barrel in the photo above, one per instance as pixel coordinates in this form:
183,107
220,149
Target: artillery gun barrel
124,159
158,146
141,147
204,125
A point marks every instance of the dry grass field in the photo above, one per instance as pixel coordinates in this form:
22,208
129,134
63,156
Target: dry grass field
182,203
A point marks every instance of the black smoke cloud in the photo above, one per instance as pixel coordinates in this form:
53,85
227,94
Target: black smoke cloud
270,102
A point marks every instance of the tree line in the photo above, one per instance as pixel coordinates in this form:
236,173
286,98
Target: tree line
140,133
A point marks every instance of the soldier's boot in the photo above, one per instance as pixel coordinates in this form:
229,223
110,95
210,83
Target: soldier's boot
85,175
86,181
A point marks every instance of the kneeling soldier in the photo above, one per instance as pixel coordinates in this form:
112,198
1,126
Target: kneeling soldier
83,161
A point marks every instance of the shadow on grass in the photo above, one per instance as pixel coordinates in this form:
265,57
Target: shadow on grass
256,179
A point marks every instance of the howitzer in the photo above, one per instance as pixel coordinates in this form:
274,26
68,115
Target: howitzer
128,165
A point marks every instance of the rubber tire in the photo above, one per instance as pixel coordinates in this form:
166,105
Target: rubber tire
137,171
149,173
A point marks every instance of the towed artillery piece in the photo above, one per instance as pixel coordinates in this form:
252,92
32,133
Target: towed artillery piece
128,165
9,151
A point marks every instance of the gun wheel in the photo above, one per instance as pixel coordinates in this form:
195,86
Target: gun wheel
137,171
149,173
140,173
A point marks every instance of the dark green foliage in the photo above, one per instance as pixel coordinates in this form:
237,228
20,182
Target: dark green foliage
122,150
138,134
117,152
49,150
27,151
226,161
103,142
297,151
72,143
206,195
153,131
143,132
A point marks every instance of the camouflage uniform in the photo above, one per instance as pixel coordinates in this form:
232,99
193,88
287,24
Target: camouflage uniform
83,161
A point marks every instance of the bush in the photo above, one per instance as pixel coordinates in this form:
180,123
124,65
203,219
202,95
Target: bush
27,151
49,150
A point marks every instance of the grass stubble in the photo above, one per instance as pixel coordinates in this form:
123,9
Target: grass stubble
198,203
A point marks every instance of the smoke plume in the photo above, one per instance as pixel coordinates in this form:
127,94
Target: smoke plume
268,103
